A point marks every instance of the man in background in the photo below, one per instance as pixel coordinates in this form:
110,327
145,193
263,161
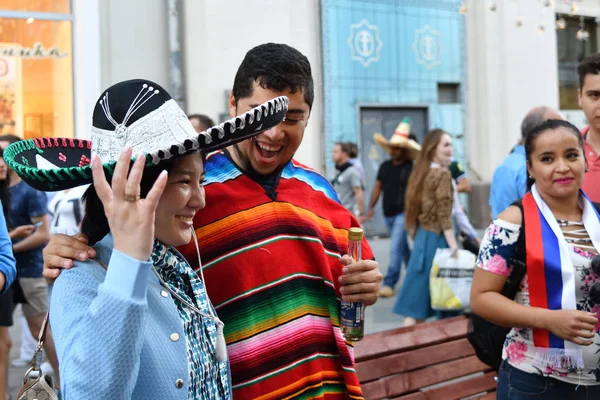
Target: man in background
355,161
460,177
347,183
200,122
589,101
509,182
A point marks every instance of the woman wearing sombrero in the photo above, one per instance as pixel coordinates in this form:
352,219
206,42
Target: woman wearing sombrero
136,322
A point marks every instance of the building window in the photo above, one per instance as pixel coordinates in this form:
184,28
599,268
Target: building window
448,93
36,68
570,52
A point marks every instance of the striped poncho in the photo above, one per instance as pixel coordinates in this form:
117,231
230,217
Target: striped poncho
271,264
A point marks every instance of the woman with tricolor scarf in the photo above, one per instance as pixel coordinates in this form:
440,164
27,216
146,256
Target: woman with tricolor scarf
552,350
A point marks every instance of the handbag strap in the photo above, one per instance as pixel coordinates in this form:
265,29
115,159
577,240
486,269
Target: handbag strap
34,382
38,354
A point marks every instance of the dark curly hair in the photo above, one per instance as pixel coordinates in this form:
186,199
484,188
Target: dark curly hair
588,66
274,66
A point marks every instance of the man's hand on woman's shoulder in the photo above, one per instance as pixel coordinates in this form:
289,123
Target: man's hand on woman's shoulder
62,250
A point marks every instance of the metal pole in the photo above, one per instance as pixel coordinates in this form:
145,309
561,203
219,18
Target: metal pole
175,56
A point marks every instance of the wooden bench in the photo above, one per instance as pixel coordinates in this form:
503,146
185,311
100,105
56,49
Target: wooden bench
430,361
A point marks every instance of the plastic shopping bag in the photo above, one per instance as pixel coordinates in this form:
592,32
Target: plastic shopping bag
450,280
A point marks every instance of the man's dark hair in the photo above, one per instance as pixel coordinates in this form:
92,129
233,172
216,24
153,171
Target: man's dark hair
204,120
274,66
10,138
532,119
589,65
345,147
353,147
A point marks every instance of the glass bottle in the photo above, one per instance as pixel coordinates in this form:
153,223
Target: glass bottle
352,315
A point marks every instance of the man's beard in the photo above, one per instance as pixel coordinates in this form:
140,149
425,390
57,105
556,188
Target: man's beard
243,159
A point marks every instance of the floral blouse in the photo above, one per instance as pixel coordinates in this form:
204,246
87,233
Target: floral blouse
498,246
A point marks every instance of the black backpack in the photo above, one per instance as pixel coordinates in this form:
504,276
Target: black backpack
486,337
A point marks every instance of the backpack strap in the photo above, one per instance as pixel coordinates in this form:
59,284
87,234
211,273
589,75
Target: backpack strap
520,247
518,261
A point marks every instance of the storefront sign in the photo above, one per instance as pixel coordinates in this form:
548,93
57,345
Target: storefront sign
37,51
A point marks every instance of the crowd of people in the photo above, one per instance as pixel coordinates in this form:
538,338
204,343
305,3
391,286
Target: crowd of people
227,252
419,186
179,258
537,271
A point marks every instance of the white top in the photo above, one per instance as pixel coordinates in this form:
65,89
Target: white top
66,211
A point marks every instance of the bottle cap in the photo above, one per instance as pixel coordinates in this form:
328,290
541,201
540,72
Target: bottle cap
355,234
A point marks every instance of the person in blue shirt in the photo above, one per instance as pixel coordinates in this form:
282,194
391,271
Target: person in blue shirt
509,182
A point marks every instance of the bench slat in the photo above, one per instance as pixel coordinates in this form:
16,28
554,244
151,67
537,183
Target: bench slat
396,385
412,360
430,334
459,390
417,327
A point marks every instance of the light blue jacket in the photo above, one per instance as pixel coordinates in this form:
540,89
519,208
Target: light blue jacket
118,333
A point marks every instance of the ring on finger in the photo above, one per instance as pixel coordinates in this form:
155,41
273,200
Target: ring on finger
132,198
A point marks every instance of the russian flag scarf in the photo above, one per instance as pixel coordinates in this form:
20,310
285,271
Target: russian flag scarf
551,275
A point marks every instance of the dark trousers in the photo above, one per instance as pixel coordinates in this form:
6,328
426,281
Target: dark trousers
514,384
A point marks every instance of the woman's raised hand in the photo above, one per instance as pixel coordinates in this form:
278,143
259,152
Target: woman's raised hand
130,218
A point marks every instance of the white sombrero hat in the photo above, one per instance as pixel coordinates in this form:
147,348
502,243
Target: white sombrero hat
400,138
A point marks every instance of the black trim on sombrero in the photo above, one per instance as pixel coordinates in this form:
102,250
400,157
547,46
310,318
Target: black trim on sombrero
52,164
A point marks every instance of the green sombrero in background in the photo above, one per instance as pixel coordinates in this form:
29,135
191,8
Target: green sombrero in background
151,122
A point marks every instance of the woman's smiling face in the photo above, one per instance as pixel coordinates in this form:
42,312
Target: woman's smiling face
557,162
182,198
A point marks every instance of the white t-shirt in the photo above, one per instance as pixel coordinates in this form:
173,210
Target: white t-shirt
66,211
